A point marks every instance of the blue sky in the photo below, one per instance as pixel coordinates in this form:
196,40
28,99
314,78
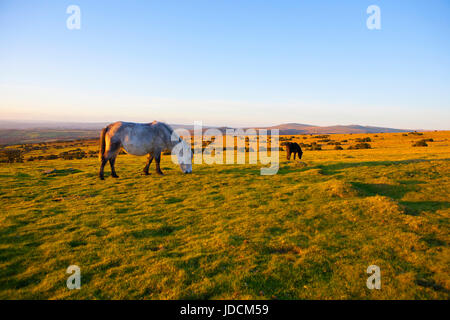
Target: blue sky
227,62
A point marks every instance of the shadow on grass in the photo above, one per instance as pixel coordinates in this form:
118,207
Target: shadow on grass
62,172
260,284
335,168
415,208
397,192
383,189
171,200
331,169
241,170
432,241
25,244
150,233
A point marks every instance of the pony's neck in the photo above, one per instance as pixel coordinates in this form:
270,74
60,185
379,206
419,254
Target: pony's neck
176,142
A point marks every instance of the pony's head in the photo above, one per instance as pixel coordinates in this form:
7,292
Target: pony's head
182,153
185,157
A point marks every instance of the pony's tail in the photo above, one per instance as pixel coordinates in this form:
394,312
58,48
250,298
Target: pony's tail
102,144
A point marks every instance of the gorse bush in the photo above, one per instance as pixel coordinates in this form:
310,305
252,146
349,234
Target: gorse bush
363,145
334,143
51,157
420,143
11,155
315,147
72,154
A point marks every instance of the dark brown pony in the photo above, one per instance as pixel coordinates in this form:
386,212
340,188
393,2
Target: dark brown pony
293,147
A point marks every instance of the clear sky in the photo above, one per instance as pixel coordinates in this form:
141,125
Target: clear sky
227,62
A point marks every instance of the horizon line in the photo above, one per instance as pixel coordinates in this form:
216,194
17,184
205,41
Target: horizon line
28,121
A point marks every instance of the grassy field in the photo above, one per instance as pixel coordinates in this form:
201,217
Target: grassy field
226,232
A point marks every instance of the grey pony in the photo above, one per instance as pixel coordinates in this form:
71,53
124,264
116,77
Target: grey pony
142,139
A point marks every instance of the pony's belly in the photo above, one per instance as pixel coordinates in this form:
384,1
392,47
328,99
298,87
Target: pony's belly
136,150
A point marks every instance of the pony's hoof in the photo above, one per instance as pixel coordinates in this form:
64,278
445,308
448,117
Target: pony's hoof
115,176
102,178
160,173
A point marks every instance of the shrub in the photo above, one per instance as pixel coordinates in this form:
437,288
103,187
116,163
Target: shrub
11,155
335,143
51,157
420,143
366,139
304,145
92,153
363,145
73,154
315,147
338,148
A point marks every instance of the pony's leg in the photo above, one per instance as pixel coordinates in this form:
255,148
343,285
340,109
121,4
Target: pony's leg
149,162
112,161
294,155
110,155
288,154
158,160
102,168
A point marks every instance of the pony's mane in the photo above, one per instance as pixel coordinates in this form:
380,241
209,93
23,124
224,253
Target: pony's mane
169,130
164,125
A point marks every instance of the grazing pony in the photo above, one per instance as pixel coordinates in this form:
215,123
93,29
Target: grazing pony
293,147
141,139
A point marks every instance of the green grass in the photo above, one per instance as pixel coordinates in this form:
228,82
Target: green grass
226,232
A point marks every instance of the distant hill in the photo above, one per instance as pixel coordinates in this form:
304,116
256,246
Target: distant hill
297,128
